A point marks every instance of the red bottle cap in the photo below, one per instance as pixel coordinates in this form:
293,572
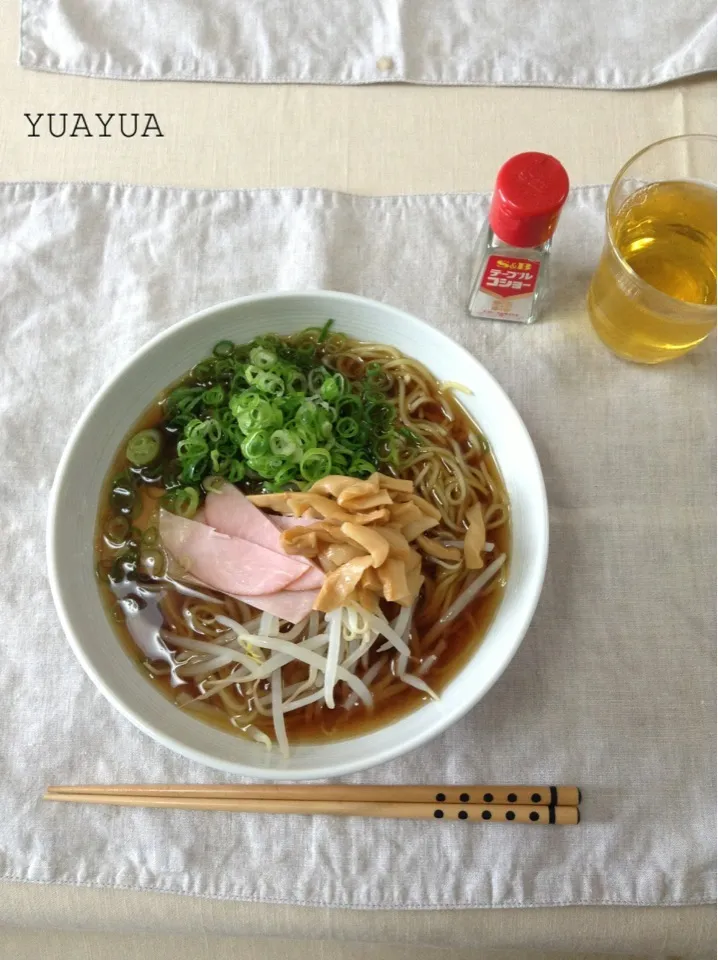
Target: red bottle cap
530,190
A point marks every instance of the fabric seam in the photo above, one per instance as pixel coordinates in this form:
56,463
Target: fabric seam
108,185
378,81
464,905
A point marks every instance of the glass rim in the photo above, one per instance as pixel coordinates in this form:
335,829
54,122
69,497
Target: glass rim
708,308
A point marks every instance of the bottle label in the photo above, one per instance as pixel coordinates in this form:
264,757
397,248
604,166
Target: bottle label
507,288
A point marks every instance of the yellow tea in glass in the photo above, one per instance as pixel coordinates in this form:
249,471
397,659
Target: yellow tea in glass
653,296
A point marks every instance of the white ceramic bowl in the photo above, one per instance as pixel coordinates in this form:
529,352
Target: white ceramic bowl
96,437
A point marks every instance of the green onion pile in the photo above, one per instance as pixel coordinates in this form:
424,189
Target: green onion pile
271,415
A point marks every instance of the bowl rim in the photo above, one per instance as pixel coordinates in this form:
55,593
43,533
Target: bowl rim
239,768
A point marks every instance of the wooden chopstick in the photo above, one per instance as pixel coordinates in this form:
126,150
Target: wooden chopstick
481,813
346,793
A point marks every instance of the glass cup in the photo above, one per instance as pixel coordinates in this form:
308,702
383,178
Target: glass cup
653,295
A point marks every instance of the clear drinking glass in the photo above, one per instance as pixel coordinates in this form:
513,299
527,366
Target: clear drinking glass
653,295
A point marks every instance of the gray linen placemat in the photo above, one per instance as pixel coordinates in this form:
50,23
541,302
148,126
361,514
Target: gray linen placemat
613,687
553,43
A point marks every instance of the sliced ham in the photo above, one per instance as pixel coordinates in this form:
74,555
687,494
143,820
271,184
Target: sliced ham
230,564
311,579
291,605
230,512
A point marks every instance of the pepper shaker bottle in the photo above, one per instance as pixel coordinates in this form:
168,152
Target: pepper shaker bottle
510,275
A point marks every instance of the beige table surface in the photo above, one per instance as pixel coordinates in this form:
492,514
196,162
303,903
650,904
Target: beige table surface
371,140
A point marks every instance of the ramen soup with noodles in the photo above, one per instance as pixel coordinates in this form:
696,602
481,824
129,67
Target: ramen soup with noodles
304,537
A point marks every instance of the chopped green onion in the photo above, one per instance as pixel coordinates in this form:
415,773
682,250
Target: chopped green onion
224,368
150,537
213,484
243,402
214,396
334,343
152,563
238,381
236,471
122,498
184,502
251,372
262,358
412,438
193,470
316,378
256,445
224,348
306,435
192,449
347,428
270,383
266,466
362,468
350,406
306,415
295,381
315,464
124,567
144,448
276,410
151,474
285,476
332,388
283,443
214,431
203,371
324,332
233,435
116,531
220,464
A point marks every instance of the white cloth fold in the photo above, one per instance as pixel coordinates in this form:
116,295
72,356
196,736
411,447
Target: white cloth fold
613,687
610,44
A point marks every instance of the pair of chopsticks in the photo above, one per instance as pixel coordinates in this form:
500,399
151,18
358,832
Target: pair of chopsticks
485,804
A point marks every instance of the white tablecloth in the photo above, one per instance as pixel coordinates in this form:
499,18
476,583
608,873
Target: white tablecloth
385,138
613,687
583,44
